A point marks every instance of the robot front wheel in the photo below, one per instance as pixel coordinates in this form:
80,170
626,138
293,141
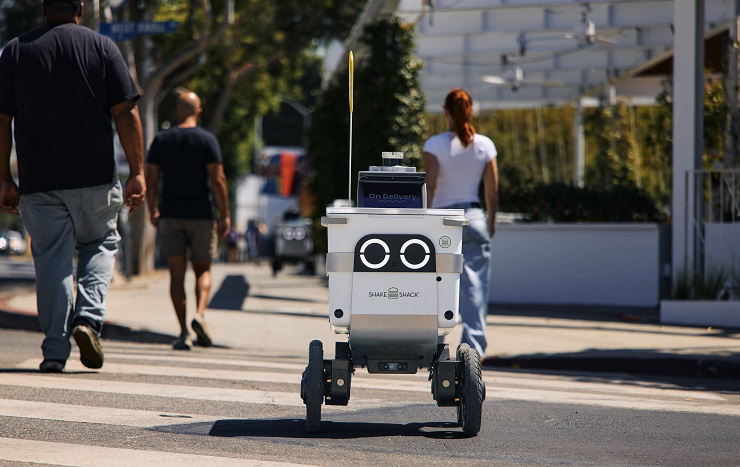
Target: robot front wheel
312,386
471,390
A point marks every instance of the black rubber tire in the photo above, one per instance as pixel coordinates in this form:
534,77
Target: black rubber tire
314,386
472,391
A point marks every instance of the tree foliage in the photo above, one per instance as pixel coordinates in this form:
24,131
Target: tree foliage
242,57
17,17
388,113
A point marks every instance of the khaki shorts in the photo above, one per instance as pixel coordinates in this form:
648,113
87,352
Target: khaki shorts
178,236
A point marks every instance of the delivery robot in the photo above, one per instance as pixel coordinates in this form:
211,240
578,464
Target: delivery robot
394,275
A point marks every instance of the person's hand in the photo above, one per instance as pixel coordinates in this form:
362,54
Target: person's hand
135,192
154,217
9,197
223,227
491,228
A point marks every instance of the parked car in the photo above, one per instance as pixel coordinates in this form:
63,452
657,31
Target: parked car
12,243
293,242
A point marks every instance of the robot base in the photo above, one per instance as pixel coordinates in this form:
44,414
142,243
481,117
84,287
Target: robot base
455,383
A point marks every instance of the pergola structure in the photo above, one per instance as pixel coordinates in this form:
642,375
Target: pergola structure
532,53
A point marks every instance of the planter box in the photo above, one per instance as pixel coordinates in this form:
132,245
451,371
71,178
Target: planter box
713,313
577,264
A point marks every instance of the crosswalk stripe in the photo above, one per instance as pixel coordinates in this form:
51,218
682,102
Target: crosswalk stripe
566,385
37,452
638,399
86,414
499,378
206,361
246,396
69,382
610,400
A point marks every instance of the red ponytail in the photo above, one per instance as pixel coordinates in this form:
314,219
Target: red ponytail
460,106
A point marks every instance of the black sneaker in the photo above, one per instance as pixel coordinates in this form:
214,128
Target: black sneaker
52,366
91,353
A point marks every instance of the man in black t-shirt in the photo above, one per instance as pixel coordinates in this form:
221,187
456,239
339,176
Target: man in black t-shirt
188,157
61,86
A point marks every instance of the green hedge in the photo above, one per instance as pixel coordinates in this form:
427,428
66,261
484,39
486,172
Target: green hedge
559,202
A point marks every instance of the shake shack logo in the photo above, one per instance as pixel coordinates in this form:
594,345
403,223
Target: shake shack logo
393,294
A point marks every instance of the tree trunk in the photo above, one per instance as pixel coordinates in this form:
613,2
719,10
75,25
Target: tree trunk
152,80
143,234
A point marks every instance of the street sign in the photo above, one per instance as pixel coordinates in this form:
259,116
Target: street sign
125,31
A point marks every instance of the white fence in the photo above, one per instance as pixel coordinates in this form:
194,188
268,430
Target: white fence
579,264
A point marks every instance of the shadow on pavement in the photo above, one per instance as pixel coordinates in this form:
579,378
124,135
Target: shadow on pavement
284,298
232,293
578,312
296,428
629,361
675,330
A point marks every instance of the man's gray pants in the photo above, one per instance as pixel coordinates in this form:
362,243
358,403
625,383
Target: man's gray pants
62,223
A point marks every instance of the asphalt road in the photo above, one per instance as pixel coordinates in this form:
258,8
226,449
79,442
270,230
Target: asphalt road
222,407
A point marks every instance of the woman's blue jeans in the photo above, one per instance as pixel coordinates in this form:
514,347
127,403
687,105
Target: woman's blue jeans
474,280
62,223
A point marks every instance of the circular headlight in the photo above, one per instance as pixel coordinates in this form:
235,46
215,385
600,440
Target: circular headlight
300,233
288,233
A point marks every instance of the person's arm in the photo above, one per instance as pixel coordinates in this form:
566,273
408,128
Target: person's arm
490,188
152,188
8,189
128,125
431,168
221,195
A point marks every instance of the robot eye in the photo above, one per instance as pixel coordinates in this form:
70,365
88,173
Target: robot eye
374,253
414,254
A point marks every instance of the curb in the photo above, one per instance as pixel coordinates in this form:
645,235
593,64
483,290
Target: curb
689,367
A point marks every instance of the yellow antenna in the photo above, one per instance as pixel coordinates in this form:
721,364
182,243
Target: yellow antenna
351,99
351,79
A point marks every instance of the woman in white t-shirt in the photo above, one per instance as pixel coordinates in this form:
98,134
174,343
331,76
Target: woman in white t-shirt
455,162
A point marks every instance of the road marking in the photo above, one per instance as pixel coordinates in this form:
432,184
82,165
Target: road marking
43,452
105,415
651,401
69,382
165,359
613,401
556,383
246,396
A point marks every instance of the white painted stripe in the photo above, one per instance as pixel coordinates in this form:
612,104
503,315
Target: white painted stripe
69,382
496,380
42,452
167,359
104,415
613,401
245,396
420,385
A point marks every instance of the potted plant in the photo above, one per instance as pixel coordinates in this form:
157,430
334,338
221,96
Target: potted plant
710,299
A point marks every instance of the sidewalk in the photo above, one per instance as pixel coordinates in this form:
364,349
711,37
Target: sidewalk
249,309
